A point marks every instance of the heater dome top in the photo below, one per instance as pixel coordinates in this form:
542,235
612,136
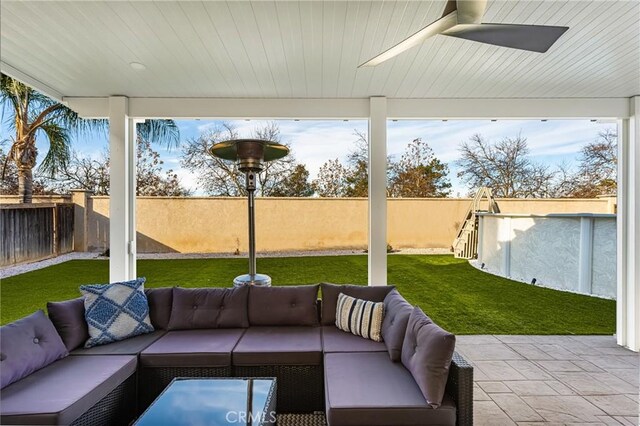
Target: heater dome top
249,149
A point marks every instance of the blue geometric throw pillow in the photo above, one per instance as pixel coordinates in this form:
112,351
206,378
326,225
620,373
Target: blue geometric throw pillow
115,311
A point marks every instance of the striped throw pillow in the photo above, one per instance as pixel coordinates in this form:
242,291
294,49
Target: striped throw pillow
360,317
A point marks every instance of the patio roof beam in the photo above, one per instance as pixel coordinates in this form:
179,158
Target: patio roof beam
282,108
30,81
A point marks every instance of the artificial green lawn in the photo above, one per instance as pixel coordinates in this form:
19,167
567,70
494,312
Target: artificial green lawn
457,296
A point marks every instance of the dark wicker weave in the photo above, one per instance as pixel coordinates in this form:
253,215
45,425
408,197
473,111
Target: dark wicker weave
460,388
117,408
300,387
152,381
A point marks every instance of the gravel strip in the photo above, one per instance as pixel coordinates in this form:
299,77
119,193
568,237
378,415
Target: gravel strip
10,271
27,267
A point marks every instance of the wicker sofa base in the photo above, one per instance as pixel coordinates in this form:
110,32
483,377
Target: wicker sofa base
152,381
117,408
460,388
300,387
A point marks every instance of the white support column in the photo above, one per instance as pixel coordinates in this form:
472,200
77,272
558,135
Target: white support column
628,224
122,191
378,191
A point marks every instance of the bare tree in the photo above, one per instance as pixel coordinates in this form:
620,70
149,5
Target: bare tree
597,171
357,172
222,178
150,180
331,180
419,173
505,167
10,182
92,174
296,184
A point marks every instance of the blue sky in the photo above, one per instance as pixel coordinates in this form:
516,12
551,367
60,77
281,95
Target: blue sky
314,142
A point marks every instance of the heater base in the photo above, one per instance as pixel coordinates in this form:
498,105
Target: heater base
259,280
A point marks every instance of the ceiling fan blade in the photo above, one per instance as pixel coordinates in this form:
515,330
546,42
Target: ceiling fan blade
536,38
437,27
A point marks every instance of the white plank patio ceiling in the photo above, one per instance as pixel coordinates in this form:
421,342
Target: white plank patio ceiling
311,49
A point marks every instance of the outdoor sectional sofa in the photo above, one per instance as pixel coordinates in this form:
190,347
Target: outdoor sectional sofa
282,332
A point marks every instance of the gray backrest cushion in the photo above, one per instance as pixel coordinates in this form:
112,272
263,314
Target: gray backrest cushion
427,353
394,325
330,294
28,345
160,304
68,318
287,305
194,308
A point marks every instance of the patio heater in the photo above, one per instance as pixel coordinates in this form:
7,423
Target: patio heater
250,156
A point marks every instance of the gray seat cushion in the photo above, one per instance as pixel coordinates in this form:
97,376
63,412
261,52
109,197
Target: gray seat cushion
27,345
286,305
192,348
68,318
209,308
132,346
330,294
280,345
63,391
335,340
427,352
160,303
394,325
367,388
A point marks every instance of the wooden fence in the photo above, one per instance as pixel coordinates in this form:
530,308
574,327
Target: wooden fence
35,231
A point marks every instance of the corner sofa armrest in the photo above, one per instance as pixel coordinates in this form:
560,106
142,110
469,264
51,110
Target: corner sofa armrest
460,388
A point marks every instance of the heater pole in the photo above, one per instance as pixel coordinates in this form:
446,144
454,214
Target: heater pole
251,188
250,156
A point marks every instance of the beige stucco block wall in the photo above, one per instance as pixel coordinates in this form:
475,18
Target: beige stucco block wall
424,223
219,225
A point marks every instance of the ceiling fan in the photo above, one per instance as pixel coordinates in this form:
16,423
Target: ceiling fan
462,19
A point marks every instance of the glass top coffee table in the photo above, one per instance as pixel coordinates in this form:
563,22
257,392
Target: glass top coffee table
214,401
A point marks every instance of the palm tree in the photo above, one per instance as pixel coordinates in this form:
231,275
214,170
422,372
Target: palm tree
32,114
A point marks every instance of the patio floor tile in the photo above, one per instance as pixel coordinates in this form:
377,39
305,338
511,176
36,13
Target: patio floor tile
489,352
494,387
616,382
629,375
608,420
498,370
476,339
614,405
530,351
530,387
567,409
627,421
585,384
588,367
559,352
487,413
506,338
530,370
479,394
596,341
559,366
555,380
612,361
515,408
